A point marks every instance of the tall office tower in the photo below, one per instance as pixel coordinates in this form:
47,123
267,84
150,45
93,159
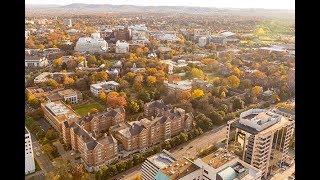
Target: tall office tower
263,138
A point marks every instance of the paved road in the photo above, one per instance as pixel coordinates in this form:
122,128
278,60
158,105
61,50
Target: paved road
192,148
65,154
43,160
203,141
284,175
129,174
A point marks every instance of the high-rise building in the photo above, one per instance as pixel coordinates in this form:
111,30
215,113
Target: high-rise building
263,138
29,158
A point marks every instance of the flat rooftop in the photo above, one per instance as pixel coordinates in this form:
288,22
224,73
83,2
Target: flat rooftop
180,168
67,92
257,121
218,159
162,160
61,111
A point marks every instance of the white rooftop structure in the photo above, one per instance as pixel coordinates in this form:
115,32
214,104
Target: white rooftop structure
180,85
227,34
161,160
259,119
91,44
57,108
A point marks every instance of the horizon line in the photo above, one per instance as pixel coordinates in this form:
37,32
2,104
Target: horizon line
164,6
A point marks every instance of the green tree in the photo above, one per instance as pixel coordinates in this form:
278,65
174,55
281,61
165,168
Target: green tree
133,106
203,122
51,135
216,117
237,104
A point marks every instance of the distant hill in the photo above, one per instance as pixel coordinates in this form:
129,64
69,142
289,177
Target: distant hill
79,8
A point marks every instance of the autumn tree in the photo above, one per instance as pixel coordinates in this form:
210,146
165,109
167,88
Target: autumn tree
256,91
68,80
197,73
138,80
133,106
57,62
151,80
52,83
102,95
33,101
139,51
114,100
236,71
197,93
234,81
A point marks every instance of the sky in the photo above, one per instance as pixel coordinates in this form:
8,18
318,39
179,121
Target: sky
266,4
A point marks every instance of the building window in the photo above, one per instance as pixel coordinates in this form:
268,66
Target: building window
206,171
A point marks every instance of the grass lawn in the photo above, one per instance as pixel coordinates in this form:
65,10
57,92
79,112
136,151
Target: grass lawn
84,109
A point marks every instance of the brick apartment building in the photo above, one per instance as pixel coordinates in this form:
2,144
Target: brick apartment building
162,123
89,137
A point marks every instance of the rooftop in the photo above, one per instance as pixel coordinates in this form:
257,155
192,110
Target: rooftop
179,168
183,85
259,119
61,111
218,159
67,92
162,160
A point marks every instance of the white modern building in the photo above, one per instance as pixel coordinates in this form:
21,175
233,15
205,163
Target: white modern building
103,86
93,44
167,37
155,163
263,137
29,158
122,47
